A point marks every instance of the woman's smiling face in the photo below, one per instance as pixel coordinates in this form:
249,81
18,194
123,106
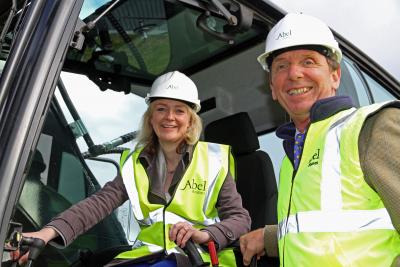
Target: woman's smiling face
170,120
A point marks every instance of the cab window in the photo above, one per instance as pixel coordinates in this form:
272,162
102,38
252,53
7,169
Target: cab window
378,92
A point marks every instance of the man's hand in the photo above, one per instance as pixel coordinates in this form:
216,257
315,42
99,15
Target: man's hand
252,244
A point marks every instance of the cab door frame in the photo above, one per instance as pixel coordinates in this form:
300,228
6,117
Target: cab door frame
27,85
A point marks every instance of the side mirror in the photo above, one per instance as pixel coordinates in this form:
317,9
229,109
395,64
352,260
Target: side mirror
238,21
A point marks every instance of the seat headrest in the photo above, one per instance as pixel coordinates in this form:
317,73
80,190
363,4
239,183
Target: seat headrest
236,130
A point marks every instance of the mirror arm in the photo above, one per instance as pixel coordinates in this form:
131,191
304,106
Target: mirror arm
232,20
234,24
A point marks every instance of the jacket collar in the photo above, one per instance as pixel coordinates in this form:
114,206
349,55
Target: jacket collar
147,156
322,109
148,159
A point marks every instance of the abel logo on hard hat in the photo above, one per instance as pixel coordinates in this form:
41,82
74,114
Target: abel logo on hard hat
284,35
175,85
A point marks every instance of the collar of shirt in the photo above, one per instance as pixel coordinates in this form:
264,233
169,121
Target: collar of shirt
321,109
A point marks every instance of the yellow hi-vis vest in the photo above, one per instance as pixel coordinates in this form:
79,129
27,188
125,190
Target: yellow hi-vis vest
328,215
194,201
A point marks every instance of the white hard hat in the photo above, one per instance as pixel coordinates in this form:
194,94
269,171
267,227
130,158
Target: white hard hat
300,30
175,85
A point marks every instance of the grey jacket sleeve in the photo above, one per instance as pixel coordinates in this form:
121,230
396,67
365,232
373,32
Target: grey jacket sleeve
379,150
235,220
85,214
271,240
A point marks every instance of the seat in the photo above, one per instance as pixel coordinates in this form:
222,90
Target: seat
255,178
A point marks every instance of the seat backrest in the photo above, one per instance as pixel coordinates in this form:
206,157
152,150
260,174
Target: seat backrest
255,178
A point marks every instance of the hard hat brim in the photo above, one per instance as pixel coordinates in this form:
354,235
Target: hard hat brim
195,105
331,52
262,59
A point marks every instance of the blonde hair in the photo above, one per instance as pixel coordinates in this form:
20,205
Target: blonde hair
147,137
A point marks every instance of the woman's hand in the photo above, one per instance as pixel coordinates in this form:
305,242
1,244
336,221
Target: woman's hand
181,232
46,234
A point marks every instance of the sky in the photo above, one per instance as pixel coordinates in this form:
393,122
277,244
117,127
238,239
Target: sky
373,26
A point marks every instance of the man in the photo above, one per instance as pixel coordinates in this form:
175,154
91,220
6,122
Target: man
339,182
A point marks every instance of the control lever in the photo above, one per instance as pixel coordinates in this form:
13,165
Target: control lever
17,245
194,255
196,260
236,246
35,247
253,262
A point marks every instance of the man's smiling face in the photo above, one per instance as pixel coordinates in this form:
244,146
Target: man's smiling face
299,78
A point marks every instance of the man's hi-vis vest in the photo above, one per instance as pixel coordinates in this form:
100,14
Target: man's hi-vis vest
193,201
328,215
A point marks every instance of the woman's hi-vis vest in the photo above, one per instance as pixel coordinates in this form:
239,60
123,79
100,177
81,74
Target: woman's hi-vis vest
328,215
193,201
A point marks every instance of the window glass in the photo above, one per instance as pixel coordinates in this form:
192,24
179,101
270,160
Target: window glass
40,198
58,178
272,145
71,168
142,39
378,92
110,115
90,6
357,84
107,116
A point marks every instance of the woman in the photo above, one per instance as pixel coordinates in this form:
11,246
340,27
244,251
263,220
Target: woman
179,188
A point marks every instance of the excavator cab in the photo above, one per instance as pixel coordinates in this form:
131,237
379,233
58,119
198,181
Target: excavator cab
74,75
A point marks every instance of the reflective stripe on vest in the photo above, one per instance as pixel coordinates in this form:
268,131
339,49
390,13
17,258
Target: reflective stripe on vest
331,199
159,216
335,218
335,221
214,166
130,186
